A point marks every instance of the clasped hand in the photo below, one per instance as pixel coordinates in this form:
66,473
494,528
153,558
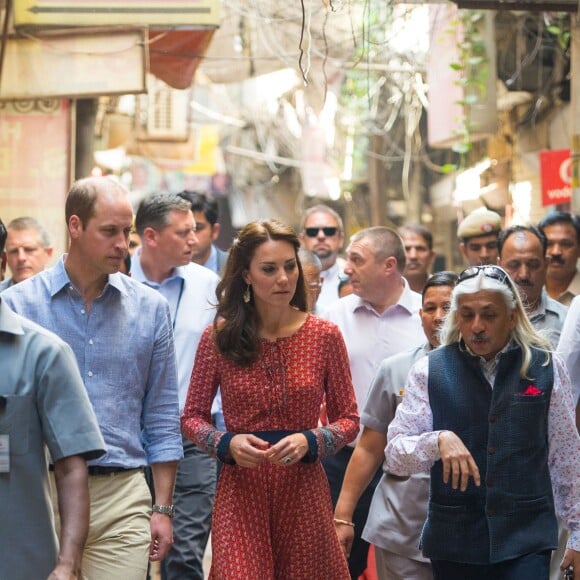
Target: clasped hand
250,451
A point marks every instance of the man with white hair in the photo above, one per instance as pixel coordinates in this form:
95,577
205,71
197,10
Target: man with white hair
491,414
28,250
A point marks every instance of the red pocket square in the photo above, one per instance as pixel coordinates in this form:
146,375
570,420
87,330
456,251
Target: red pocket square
532,391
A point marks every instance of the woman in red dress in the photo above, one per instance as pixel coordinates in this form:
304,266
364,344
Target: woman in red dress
275,363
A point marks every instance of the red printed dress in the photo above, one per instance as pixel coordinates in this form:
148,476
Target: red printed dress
273,522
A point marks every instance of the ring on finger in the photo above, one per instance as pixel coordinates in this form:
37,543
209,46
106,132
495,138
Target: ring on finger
287,460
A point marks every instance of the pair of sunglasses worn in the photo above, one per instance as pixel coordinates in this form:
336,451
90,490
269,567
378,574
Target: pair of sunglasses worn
313,232
493,272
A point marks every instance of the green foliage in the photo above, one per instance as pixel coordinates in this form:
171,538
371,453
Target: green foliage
560,28
473,67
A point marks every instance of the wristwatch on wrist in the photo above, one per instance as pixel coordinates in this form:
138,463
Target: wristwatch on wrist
168,510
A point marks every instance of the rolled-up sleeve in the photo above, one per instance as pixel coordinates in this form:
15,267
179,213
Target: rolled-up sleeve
161,431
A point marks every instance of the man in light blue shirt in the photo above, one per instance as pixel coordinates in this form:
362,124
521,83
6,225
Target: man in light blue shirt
167,230
121,334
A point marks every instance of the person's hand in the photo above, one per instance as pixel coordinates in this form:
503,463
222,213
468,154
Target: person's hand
248,450
288,451
457,461
64,572
161,536
571,558
345,535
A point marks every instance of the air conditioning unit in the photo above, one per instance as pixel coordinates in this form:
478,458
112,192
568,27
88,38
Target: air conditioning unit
167,112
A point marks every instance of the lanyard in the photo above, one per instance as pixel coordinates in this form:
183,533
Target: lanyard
178,302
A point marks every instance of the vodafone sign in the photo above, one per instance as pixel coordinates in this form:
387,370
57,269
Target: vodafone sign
556,175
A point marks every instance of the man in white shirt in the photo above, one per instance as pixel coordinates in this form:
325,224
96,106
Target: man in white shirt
167,229
380,319
322,233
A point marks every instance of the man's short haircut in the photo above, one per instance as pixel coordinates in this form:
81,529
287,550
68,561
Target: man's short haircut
23,223
308,258
445,278
505,234
153,211
418,230
385,243
561,217
83,194
202,204
321,208
3,235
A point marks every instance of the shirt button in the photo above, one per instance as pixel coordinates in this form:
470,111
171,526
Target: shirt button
82,311
90,373
489,513
491,450
90,341
492,418
489,483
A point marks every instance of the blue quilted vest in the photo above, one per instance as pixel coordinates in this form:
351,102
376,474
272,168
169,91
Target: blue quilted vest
512,512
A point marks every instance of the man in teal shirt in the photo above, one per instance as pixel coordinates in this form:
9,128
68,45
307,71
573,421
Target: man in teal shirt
42,402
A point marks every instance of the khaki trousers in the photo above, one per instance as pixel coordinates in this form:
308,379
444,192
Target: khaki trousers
119,537
391,566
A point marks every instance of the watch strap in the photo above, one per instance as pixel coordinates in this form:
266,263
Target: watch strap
168,510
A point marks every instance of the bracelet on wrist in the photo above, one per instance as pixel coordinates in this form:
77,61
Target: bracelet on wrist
343,522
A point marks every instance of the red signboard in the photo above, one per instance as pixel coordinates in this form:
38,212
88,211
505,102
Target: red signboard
556,174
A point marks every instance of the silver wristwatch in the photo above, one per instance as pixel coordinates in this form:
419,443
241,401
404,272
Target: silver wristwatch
168,510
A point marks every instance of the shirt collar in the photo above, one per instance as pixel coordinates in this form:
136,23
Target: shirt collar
138,274
332,271
9,321
405,302
212,261
540,311
59,279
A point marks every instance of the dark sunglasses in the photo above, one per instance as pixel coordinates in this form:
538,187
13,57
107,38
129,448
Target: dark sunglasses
494,272
313,232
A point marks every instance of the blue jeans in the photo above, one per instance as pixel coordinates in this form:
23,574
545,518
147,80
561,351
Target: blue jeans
528,567
193,499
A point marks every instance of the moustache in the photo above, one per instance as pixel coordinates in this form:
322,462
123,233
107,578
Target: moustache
525,283
557,260
478,338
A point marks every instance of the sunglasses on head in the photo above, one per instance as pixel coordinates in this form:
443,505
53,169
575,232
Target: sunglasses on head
493,272
313,232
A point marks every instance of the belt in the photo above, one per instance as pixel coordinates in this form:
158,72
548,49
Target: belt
105,469
109,470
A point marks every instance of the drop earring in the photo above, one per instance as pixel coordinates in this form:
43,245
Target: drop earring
246,295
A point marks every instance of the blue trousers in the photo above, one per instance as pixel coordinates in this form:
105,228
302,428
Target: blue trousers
193,499
528,567
335,467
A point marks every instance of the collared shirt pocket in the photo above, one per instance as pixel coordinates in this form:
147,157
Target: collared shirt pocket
15,411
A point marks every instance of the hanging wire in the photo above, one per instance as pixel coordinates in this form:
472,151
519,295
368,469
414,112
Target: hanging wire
300,44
